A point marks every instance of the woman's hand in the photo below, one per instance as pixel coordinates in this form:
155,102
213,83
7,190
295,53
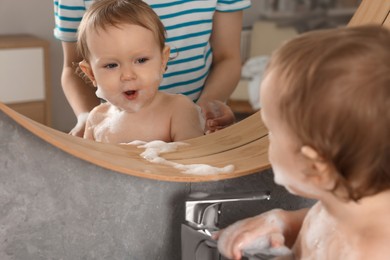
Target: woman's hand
217,114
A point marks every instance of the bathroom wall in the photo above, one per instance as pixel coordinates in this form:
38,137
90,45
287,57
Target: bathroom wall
56,206
36,17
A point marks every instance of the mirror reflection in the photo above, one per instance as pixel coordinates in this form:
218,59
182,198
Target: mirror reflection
32,66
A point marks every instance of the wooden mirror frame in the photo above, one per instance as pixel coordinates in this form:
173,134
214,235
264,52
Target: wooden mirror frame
245,144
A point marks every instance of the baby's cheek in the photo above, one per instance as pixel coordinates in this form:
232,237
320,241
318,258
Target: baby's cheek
155,79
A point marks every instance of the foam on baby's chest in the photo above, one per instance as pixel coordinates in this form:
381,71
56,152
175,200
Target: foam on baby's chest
112,128
123,127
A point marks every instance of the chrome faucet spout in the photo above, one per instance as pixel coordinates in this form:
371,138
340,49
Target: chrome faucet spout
203,209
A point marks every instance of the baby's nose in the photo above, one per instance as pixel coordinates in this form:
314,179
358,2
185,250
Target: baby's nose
128,74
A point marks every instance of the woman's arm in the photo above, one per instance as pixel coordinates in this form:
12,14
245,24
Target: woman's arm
226,67
80,95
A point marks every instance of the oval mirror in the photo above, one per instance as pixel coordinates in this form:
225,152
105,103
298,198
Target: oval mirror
243,145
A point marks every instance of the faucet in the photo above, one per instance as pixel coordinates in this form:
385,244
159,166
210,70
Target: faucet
203,210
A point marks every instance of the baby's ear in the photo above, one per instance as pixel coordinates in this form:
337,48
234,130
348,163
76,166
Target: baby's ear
86,68
320,171
165,58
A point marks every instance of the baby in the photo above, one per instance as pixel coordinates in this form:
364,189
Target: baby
124,55
326,104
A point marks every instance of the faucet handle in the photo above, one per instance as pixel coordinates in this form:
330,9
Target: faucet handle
203,209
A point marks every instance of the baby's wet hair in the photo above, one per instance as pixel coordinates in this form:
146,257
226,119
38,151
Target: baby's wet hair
104,13
335,97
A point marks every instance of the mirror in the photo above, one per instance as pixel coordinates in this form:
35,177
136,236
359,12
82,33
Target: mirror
244,138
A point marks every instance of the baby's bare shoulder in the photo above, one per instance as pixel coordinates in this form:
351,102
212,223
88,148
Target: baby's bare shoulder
99,112
102,108
375,245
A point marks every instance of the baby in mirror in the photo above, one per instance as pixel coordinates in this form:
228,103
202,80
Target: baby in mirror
326,103
124,55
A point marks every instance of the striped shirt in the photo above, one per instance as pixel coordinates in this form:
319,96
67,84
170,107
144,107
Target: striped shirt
188,24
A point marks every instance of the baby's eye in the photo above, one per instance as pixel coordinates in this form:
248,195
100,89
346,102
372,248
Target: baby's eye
111,66
142,60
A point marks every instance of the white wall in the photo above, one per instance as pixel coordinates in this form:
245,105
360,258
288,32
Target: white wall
37,17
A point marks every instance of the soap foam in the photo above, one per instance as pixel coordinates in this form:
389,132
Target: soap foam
153,150
262,245
99,93
118,100
267,243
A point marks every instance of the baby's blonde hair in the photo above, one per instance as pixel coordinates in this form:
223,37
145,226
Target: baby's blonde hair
103,13
335,96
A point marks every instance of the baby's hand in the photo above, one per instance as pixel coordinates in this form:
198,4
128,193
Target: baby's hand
259,234
269,245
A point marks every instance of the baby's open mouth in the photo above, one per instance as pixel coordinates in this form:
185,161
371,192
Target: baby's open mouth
130,94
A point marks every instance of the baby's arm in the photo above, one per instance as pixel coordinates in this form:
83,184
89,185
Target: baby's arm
186,121
278,227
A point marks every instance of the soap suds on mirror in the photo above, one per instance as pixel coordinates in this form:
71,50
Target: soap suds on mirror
153,150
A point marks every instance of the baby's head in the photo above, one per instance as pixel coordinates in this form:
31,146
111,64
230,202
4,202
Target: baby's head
333,93
122,43
105,13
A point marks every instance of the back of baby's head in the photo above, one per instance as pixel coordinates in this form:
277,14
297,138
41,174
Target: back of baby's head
105,13
335,96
